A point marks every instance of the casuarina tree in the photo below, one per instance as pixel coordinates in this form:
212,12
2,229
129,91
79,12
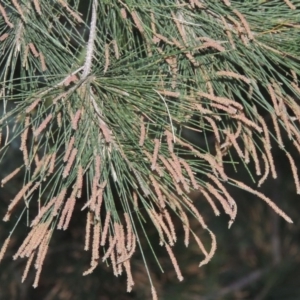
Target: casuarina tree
128,108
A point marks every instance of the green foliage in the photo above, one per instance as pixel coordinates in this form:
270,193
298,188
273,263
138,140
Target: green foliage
108,96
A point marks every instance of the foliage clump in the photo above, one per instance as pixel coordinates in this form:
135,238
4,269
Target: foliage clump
105,95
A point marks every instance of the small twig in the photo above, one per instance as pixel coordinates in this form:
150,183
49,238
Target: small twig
91,42
239,284
61,83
